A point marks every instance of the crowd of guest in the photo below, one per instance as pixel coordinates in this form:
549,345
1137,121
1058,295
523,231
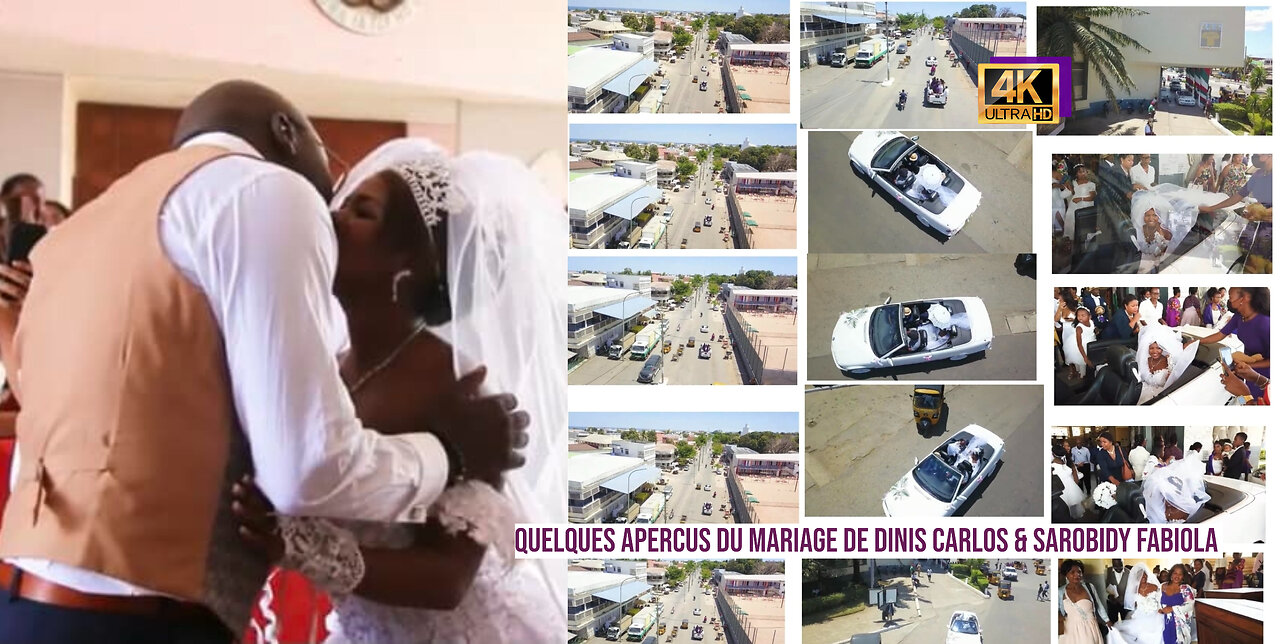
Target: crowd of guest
1084,315
1089,473
1096,228
1138,603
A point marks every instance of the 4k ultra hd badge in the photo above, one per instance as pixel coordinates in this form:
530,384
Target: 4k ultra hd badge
1019,92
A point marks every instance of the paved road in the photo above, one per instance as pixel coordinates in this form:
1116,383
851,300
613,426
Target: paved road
860,440
688,369
679,606
690,205
850,214
686,501
839,283
684,97
924,614
851,97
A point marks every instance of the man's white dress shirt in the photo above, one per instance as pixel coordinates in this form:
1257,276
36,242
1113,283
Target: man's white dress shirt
258,241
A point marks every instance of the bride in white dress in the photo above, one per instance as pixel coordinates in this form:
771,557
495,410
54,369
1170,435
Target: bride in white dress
1145,624
1161,359
500,225
1162,217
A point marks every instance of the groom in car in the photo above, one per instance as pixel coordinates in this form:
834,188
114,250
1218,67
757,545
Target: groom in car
179,336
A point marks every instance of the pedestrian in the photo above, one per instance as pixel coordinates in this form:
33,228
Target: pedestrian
929,574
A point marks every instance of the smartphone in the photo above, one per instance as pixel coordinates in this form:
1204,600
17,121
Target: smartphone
22,238
1224,354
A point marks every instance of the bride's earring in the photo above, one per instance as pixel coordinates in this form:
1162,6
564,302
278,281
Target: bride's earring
395,284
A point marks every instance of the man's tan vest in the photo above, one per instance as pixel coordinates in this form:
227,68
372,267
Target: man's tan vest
128,435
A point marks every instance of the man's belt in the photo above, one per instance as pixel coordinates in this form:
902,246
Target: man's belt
25,585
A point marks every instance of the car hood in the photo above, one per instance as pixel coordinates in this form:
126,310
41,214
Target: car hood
907,499
961,208
962,638
863,148
850,346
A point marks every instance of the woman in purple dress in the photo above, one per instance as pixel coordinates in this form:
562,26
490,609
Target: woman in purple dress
1177,604
1252,325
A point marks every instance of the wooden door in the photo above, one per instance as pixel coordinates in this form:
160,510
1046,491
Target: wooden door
113,139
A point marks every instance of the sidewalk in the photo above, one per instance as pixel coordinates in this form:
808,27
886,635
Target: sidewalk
868,620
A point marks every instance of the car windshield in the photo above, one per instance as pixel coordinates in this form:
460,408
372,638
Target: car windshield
928,401
886,334
965,626
937,478
889,154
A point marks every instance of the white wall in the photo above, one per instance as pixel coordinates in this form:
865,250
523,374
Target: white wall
533,133
31,130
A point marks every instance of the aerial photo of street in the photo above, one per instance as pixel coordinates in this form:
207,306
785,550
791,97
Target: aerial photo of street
676,60
677,468
737,600
696,187
913,450
917,69
678,321
925,601
951,317
868,192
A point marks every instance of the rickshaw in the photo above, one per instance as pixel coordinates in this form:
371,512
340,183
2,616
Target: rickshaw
993,578
1040,568
666,346
926,405
1006,589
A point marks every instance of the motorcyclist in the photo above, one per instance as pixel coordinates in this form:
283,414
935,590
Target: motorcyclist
902,96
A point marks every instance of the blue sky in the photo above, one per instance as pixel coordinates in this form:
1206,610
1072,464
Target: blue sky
734,134
682,265
935,9
775,421
717,6
1257,31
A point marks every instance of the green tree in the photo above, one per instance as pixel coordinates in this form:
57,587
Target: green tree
684,452
713,35
697,281
979,11
702,155
680,37
1257,76
676,574
717,165
701,440
634,151
685,168
632,21
651,153
697,24
649,22
680,289
1074,31
717,448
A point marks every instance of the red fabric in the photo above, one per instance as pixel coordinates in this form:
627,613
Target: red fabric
295,613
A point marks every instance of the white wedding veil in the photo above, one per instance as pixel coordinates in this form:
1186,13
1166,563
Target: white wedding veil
1136,574
506,280
1180,484
1170,342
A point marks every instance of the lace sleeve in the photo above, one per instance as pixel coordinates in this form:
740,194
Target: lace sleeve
324,552
481,513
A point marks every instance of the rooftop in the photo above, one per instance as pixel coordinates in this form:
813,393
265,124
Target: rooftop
766,292
585,581
994,21
764,617
595,66
776,333
768,88
665,165
775,217
784,458
767,176
605,25
606,155
582,297
660,36
586,469
577,36
778,498
598,191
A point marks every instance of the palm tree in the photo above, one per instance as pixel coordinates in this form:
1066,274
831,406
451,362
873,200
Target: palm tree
1063,31
1257,76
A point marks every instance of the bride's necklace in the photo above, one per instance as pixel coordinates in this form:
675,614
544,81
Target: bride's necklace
386,362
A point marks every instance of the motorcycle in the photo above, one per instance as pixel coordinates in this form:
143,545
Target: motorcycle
932,69
902,100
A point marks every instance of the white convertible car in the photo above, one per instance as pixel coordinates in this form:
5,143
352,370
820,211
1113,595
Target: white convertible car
935,193
910,333
938,485
964,628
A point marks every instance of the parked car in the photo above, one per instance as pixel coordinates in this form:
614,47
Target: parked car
926,186
666,83
964,629
941,483
877,337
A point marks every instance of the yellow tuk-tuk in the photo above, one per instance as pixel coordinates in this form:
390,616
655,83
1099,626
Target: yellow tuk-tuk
662,628
666,346
926,405
993,578
1006,589
1040,566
